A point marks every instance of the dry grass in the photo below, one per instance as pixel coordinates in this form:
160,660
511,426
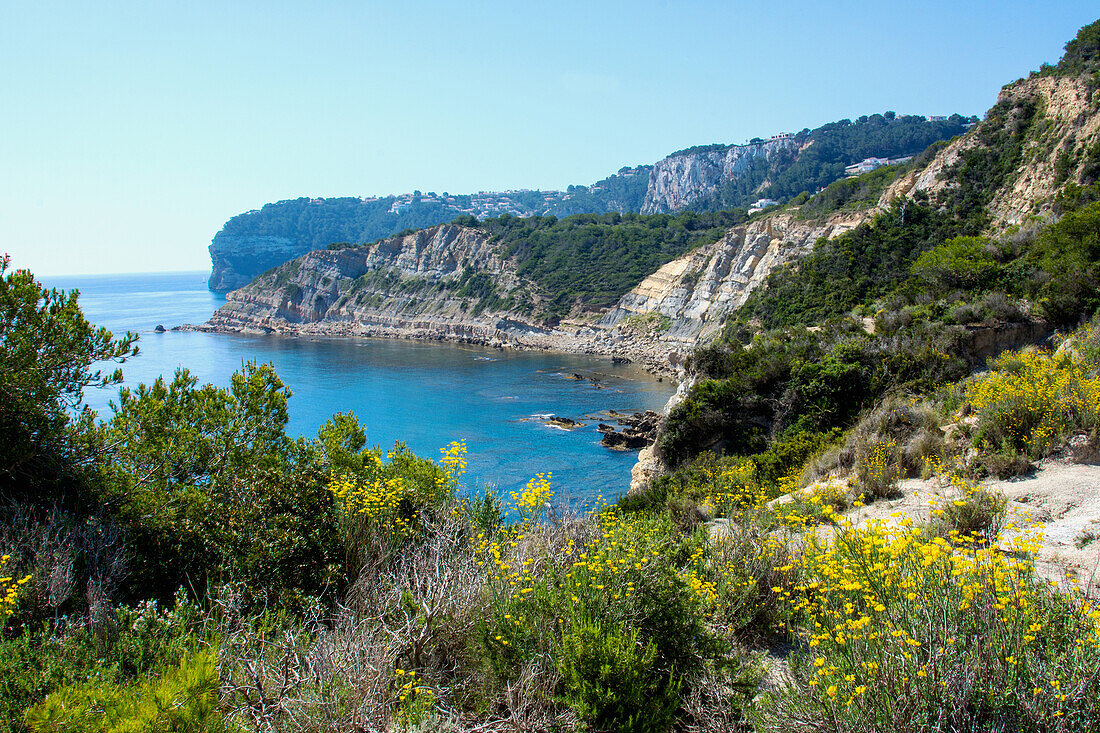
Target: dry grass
895,439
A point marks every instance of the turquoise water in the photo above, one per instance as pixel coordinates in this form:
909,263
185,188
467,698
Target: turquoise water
426,394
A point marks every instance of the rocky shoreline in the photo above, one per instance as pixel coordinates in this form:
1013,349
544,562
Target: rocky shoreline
662,359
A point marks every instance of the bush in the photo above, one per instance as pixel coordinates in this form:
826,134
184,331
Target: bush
611,679
1032,398
906,632
978,515
959,263
184,699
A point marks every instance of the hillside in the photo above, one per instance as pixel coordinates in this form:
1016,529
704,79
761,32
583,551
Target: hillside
875,506
706,178
535,282
589,279
991,242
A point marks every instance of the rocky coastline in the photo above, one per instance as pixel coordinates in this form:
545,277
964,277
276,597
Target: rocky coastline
662,359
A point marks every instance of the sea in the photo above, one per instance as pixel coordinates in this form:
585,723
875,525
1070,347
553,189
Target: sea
425,394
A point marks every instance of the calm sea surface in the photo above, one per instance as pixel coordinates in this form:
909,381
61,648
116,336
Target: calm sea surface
423,394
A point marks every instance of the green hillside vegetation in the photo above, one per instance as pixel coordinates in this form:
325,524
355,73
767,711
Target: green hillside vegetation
922,275
618,193
317,223
183,564
591,260
584,262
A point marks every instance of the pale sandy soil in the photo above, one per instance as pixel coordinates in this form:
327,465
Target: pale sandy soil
1057,504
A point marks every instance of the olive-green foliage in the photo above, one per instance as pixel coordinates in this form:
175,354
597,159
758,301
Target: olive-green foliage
851,269
611,680
982,169
793,381
849,194
183,699
131,643
649,598
213,490
47,353
959,263
751,392
591,260
1082,55
1065,267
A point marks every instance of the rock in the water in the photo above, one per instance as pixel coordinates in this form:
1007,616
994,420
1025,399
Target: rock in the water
623,441
563,422
160,328
639,431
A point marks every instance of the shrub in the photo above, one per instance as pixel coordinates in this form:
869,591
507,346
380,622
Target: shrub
959,263
9,592
1031,398
978,515
877,469
184,699
611,680
906,632
382,503
1004,465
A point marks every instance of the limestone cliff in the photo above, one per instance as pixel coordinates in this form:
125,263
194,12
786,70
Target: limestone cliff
682,179
696,291
444,283
236,259
404,281
715,177
1049,123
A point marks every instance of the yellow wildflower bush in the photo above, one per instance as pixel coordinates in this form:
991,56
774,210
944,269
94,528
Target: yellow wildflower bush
530,502
1031,398
628,571
906,631
9,591
820,503
878,468
384,501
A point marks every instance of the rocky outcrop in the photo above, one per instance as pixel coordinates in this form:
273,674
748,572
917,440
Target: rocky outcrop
415,287
236,259
681,179
1070,126
1065,126
639,430
696,291
405,283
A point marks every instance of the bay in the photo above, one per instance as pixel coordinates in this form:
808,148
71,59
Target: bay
425,394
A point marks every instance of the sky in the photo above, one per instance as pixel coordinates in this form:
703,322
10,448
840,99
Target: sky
130,131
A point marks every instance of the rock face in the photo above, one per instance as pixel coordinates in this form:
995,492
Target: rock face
237,259
1065,126
696,291
413,287
410,286
681,179
400,283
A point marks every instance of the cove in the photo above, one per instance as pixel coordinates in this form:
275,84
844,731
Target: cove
425,394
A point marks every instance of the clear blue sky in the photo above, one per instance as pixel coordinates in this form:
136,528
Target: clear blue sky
130,131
